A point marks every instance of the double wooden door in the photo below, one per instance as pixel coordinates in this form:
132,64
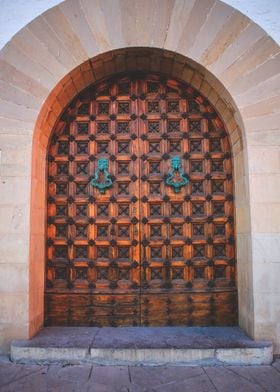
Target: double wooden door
140,252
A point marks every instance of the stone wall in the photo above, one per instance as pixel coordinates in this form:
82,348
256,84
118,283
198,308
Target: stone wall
211,45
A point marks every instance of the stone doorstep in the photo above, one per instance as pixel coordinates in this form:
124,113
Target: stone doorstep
177,346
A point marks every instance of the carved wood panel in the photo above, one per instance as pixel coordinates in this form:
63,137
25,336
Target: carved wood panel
140,254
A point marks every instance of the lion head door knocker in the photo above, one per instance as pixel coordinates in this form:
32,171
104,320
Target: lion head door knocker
176,177
101,178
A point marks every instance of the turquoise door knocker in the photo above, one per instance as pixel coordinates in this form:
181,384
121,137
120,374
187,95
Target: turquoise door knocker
176,177
101,178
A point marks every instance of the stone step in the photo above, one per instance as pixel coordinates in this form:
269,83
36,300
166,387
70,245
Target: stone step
143,346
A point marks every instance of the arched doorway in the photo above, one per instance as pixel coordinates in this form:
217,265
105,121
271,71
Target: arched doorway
143,251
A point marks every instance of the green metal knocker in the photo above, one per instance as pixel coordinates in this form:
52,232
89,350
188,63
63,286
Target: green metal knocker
102,168
176,167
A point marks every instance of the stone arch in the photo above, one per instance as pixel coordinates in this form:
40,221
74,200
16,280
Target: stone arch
48,62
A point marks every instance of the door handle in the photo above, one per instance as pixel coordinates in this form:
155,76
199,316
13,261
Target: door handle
171,180
102,168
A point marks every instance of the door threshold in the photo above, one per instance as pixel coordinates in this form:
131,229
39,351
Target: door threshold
152,346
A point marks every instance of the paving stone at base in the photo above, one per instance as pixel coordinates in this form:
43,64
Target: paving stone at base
13,374
276,364
111,375
68,378
156,376
89,378
80,373
96,387
227,380
42,382
5,359
200,383
267,377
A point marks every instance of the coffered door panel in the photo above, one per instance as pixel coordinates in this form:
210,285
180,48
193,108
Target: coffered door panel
187,235
93,246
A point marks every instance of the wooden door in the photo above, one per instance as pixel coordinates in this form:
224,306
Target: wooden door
140,253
